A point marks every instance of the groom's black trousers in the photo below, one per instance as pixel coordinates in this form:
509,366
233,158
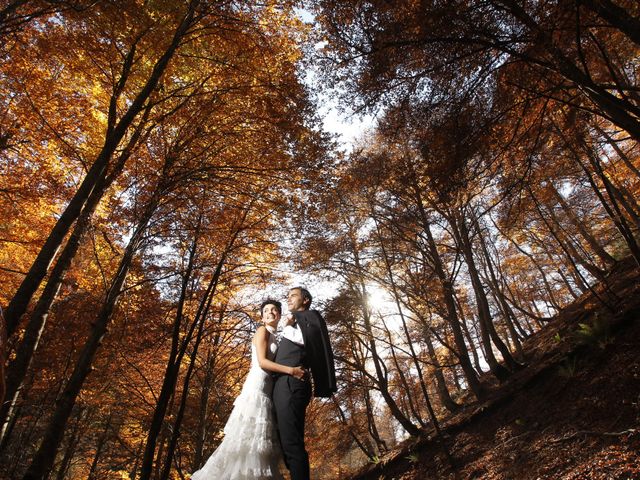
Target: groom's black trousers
290,398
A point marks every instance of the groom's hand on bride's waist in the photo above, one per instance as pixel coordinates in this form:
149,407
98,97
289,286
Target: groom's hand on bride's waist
300,373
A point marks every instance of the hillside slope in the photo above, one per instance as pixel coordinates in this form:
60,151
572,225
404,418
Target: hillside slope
572,413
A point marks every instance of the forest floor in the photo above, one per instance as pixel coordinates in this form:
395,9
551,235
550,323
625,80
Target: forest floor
573,413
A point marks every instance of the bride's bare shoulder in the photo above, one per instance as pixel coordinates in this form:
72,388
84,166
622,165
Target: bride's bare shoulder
261,332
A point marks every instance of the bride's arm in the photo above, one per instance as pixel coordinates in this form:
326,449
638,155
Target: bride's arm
261,341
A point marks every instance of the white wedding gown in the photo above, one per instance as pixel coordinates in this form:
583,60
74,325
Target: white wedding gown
250,448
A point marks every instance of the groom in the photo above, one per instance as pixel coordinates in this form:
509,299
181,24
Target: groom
304,342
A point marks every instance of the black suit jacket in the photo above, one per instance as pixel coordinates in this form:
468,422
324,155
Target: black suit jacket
318,353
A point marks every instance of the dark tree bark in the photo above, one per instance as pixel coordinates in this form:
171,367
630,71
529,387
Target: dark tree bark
72,443
171,377
617,16
372,426
200,319
41,465
172,368
203,410
406,388
116,131
207,383
381,377
441,385
487,331
613,210
611,207
366,449
448,297
570,286
623,156
570,245
93,471
414,356
582,228
567,251
494,285
543,276
467,335
38,318
3,358
178,350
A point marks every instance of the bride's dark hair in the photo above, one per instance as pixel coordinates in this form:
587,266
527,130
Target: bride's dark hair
270,301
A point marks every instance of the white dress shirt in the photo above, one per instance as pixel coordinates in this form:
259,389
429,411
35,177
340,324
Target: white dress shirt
293,333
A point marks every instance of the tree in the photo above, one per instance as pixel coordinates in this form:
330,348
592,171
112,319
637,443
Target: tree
224,121
96,177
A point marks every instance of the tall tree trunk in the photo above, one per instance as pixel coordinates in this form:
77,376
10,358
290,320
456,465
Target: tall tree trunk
201,428
115,134
623,156
134,469
175,360
372,426
628,202
617,16
617,194
448,297
414,356
495,287
42,462
175,434
577,282
569,245
404,384
487,330
611,207
499,286
502,303
469,338
615,214
366,449
93,471
566,251
3,357
72,443
582,228
441,385
37,321
381,377
543,276
171,447
172,369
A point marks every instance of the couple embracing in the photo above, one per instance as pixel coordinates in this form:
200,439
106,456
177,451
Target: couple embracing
267,421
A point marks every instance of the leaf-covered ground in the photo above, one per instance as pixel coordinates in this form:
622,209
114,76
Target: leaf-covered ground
573,413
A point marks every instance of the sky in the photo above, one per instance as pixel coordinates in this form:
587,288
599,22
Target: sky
346,127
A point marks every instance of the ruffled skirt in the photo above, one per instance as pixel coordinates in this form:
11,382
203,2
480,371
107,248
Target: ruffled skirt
250,448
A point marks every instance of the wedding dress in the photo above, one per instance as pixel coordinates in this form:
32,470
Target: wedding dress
250,448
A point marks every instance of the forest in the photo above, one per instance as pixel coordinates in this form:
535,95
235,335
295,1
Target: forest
165,165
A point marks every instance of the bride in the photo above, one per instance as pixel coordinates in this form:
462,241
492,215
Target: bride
250,448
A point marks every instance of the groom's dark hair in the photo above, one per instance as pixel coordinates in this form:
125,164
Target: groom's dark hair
270,301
